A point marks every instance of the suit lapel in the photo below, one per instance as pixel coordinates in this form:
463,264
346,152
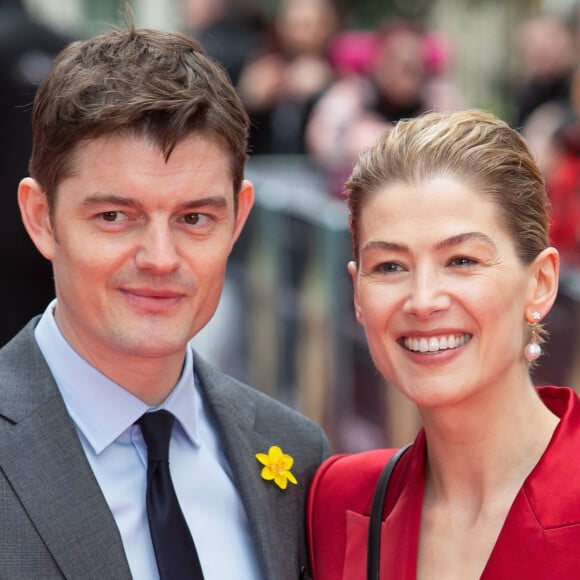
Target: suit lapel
42,458
267,507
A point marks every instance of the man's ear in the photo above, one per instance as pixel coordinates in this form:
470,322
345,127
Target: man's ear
35,214
352,270
545,270
244,205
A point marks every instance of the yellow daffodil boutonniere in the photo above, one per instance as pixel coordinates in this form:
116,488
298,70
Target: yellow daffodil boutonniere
277,466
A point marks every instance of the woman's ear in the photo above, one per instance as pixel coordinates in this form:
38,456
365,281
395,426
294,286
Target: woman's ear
352,270
35,213
545,270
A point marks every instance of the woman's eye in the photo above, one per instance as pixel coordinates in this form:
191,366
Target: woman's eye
389,267
463,261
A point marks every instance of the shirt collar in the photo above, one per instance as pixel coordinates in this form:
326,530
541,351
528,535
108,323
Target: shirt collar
101,409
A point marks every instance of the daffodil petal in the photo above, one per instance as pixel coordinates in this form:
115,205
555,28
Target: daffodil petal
281,481
291,478
288,461
275,453
267,474
263,458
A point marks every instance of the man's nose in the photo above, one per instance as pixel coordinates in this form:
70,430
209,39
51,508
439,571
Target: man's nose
158,250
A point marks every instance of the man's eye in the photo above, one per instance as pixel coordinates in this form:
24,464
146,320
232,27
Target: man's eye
110,216
192,218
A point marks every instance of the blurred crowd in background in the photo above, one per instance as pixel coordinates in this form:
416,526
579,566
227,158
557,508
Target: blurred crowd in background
321,79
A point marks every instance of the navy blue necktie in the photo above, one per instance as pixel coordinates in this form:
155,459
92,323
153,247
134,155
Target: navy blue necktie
174,547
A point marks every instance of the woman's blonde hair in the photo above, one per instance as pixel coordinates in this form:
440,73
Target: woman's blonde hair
474,146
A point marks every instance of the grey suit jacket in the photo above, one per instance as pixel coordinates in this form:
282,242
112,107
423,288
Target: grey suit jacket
54,521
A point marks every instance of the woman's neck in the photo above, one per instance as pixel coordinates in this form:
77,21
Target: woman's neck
474,453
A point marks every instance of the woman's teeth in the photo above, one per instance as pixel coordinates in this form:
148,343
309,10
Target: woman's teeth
435,343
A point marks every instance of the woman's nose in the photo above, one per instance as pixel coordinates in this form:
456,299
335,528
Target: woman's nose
427,295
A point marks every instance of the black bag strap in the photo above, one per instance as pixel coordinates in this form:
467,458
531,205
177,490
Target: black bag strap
374,544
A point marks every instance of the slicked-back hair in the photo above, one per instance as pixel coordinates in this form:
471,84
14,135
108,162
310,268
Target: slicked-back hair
138,82
473,146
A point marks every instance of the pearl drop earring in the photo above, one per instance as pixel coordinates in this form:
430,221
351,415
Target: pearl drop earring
533,349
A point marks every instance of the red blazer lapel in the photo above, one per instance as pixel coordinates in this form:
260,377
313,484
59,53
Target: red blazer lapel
541,533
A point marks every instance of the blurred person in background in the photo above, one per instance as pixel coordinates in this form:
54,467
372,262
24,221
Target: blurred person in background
357,108
229,30
441,92
453,276
546,58
27,48
280,85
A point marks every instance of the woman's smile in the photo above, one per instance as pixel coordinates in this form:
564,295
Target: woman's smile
435,344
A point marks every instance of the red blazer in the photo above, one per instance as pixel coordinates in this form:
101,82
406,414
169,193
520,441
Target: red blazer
540,538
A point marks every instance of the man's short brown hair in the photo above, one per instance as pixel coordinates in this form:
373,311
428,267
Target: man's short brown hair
140,82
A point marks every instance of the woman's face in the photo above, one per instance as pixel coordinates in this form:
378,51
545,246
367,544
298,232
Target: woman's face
440,291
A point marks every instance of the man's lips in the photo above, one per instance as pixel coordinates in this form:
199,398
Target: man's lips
153,299
152,293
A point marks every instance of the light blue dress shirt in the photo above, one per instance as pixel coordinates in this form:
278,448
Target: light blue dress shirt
104,413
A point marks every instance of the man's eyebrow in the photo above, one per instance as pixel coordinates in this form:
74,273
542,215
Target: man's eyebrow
216,201
100,198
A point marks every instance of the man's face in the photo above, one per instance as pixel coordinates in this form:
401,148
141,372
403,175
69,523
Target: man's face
139,245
